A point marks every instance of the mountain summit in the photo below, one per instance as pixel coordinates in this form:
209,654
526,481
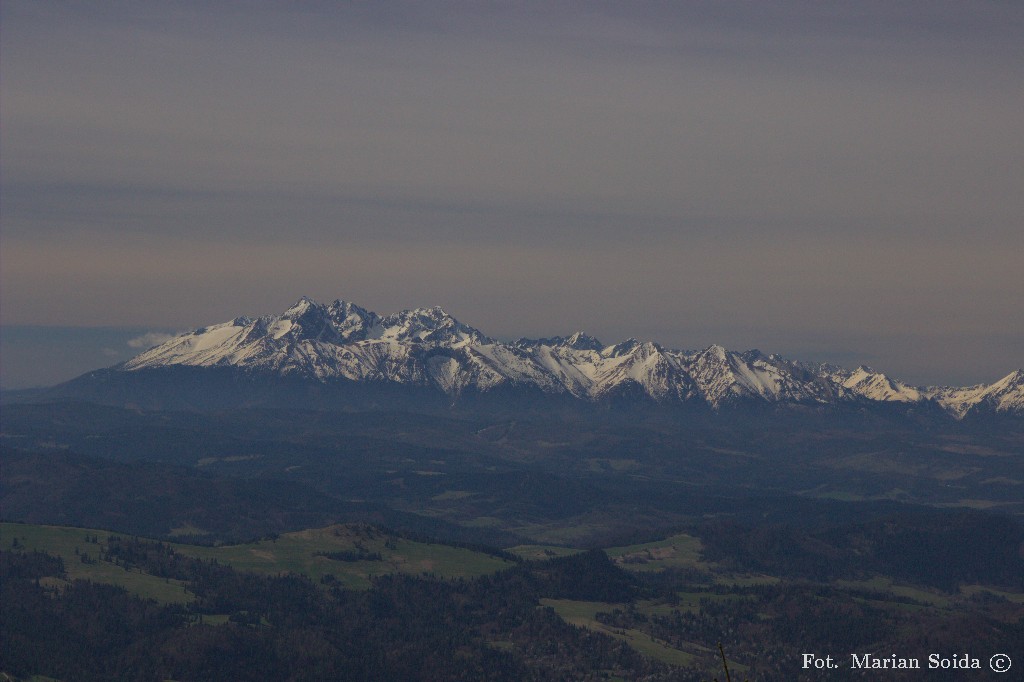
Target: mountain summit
427,348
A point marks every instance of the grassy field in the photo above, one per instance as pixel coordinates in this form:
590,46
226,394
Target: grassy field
677,551
972,590
887,586
680,551
928,596
541,552
573,531
297,552
584,614
70,544
303,552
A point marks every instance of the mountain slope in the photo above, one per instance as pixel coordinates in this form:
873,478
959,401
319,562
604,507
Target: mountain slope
428,348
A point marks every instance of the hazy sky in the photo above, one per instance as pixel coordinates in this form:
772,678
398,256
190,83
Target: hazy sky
830,181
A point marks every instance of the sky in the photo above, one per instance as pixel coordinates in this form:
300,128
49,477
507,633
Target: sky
830,181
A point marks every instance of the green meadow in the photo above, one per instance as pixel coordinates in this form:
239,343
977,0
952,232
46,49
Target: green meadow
299,552
74,544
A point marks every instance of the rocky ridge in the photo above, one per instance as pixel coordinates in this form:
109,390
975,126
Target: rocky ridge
427,347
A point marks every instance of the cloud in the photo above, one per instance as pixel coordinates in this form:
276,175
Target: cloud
149,339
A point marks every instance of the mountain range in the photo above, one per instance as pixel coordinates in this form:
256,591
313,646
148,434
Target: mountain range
345,345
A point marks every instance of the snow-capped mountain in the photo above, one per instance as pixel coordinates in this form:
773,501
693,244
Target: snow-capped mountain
428,348
1005,395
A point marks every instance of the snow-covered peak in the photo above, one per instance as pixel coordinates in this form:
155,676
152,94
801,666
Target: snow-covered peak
1008,392
300,308
425,325
623,348
716,352
582,341
307,320
1005,395
352,322
1013,380
429,347
873,385
575,341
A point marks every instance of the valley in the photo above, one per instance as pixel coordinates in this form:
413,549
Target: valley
625,547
